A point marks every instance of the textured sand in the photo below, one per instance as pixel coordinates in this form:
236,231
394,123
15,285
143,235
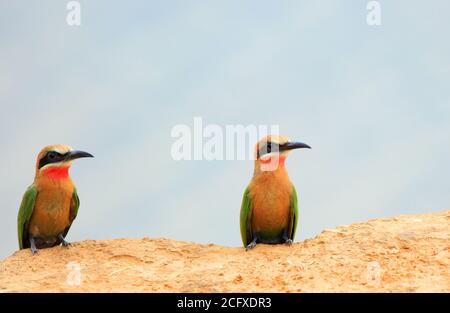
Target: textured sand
405,253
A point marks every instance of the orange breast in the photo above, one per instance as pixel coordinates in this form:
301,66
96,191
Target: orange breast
52,208
271,200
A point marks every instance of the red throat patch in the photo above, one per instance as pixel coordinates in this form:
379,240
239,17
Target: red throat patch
57,172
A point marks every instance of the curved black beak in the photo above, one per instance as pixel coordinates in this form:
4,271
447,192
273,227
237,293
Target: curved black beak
293,145
72,155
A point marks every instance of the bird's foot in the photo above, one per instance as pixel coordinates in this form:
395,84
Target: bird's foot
288,241
63,241
34,250
250,246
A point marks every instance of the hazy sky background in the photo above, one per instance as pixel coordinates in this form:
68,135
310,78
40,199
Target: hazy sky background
373,102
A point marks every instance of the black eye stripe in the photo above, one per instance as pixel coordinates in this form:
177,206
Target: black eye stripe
53,154
51,157
268,148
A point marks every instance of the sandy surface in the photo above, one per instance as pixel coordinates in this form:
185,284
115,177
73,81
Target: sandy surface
406,253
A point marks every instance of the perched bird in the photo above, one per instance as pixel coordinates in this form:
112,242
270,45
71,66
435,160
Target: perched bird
269,210
51,203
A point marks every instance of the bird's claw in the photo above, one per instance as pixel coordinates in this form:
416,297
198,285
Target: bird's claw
64,242
250,246
33,247
289,242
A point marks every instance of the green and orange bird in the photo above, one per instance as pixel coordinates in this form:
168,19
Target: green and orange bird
51,203
269,211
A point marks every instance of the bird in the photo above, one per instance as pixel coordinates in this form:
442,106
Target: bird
269,209
50,205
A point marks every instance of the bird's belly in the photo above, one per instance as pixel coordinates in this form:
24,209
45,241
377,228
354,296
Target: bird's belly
50,215
270,216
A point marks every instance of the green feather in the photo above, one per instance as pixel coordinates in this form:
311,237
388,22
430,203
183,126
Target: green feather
293,210
245,218
74,205
25,211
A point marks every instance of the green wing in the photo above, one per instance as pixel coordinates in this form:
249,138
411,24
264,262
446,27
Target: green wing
74,205
293,211
25,211
246,214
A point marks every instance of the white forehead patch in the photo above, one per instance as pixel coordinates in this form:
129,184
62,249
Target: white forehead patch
62,150
277,140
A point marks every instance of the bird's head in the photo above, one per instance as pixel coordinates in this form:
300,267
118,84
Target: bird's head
272,151
55,160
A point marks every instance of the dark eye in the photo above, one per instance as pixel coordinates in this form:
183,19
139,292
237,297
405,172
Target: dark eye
269,147
52,155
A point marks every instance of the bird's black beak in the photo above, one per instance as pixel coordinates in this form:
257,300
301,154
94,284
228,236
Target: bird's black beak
72,155
293,145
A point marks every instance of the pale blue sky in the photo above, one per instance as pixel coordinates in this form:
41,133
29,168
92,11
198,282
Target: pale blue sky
373,102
